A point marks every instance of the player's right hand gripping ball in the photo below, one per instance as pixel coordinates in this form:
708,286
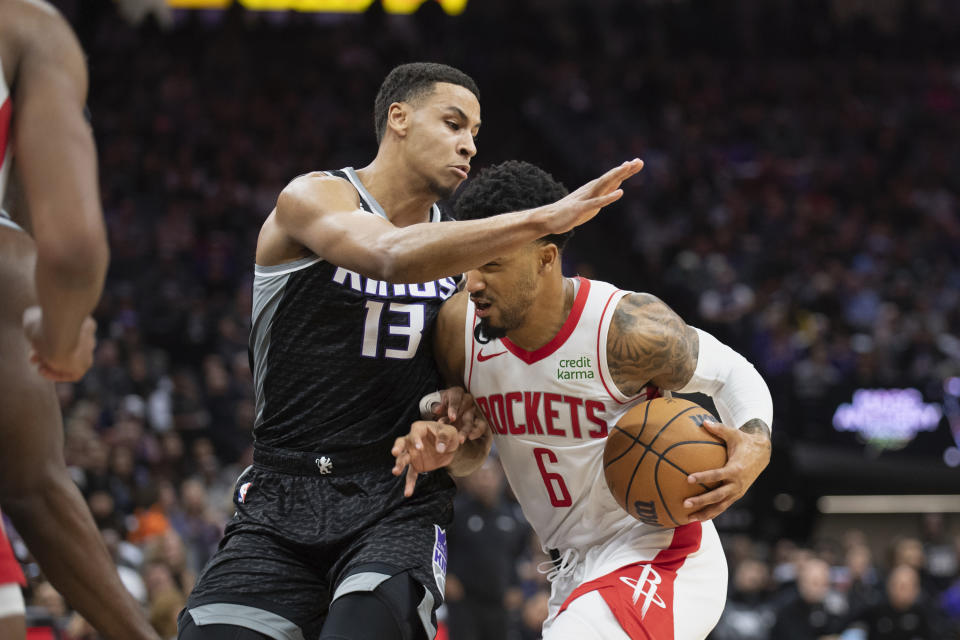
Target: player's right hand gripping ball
650,453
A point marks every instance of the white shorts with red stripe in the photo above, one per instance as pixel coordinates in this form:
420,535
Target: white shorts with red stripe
10,572
664,585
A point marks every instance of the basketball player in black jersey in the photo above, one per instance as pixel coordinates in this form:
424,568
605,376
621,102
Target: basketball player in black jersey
352,267
51,276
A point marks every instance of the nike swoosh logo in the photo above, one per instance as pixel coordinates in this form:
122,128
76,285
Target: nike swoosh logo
482,358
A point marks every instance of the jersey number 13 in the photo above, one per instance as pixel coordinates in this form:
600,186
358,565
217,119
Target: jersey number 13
373,326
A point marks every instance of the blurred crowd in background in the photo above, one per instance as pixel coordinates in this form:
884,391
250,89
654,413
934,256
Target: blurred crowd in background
799,200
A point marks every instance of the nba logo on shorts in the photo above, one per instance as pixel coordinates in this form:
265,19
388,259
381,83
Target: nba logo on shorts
242,493
440,558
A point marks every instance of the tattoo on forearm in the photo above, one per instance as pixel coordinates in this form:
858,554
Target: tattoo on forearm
647,341
756,426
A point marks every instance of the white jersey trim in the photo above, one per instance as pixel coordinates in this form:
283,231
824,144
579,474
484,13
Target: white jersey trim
354,179
11,600
469,344
7,223
272,271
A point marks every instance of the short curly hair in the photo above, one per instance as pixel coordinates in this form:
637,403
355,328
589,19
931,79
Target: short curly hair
409,82
513,185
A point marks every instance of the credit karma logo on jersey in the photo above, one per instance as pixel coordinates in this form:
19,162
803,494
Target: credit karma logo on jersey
887,418
575,369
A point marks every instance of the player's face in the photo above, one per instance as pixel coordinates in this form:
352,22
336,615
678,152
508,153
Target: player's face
504,290
441,137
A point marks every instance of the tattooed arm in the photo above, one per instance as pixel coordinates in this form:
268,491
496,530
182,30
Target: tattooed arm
650,344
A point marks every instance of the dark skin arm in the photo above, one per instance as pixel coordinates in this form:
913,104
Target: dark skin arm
56,167
449,350
36,489
650,344
59,276
463,451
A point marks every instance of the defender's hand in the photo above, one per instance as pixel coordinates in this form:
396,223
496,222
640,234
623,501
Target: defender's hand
584,203
747,456
67,367
428,446
457,407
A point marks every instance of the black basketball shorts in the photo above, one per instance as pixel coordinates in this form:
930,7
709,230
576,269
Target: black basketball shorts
305,534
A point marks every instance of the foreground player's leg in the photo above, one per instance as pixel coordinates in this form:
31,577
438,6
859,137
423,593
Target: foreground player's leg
13,625
389,612
190,631
587,618
36,490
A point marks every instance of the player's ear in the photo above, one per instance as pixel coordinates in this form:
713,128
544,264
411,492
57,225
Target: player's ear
549,256
398,118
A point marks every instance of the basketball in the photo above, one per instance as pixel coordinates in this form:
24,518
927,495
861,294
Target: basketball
651,451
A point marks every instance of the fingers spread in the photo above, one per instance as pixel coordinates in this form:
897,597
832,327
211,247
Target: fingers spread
710,477
710,497
722,430
447,437
479,429
453,399
411,482
465,405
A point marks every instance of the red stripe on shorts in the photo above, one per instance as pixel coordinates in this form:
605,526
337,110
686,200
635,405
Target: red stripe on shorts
9,567
640,595
6,110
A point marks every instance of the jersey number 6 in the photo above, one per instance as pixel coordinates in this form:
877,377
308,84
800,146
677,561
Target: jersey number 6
552,479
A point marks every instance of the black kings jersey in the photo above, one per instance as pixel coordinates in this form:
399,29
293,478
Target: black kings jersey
340,360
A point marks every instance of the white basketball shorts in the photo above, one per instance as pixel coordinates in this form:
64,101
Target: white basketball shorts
664,585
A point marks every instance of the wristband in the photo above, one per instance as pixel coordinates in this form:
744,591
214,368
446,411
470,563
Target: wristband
426,405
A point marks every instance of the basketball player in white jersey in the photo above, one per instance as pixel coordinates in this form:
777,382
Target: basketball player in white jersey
553,363
50,281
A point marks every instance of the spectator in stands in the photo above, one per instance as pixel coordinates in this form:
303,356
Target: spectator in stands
749,614
902,616
815,612
862,581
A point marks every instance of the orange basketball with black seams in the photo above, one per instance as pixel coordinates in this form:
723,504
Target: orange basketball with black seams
651,451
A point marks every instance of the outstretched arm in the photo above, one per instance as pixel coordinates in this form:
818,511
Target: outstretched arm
322,214
649,343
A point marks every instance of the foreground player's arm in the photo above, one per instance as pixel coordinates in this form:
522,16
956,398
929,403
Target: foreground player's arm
448,348
57,166
322,213
649,343
435,444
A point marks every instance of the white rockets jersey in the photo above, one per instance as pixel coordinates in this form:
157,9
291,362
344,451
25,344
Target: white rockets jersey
550,411
6,113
